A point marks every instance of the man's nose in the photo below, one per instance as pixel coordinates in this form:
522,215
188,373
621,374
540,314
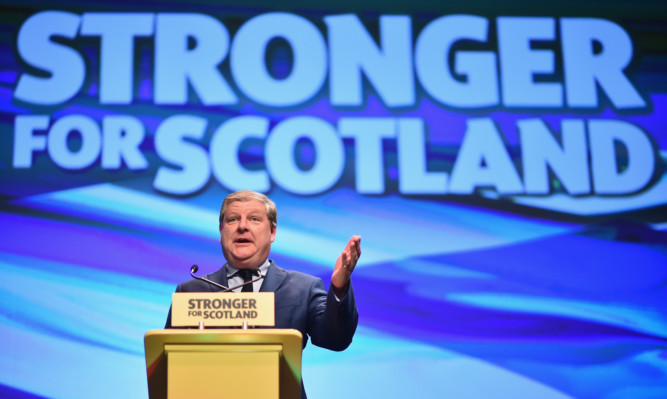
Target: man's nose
243,224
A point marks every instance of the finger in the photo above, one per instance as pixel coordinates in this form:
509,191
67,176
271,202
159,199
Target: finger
353,256
348,262
355,243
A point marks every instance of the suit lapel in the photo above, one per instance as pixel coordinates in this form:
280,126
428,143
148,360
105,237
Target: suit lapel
220,277
275,277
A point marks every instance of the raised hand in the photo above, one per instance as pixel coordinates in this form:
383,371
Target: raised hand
345,264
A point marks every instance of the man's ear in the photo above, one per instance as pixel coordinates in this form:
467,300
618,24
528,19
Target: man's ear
273,232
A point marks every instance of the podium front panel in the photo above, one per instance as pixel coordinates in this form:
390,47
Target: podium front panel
254,363
230,371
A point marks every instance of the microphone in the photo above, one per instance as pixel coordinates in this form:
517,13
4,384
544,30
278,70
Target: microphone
194,269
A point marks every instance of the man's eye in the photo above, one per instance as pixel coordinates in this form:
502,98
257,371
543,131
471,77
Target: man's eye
255,219
232,220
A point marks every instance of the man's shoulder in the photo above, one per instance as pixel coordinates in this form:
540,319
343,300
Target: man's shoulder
193,286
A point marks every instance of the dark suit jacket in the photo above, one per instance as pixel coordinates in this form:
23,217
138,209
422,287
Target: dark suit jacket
301,304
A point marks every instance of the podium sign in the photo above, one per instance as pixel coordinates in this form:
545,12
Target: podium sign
218,309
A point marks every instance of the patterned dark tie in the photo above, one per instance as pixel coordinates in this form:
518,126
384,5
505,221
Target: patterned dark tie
247,276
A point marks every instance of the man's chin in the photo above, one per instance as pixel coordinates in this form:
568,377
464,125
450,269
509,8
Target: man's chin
244,261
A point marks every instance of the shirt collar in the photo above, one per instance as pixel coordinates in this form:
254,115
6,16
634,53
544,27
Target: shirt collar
231,270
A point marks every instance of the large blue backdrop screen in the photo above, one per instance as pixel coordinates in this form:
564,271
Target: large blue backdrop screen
504,165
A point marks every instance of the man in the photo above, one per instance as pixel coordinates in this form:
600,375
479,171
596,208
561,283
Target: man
247,224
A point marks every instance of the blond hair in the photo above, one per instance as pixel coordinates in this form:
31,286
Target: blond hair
246,195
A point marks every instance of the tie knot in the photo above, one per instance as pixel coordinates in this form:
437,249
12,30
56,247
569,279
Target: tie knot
246,274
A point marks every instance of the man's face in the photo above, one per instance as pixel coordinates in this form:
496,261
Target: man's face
246,234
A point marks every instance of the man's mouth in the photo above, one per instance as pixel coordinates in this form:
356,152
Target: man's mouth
242,241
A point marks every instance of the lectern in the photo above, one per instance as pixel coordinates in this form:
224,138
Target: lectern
223,363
